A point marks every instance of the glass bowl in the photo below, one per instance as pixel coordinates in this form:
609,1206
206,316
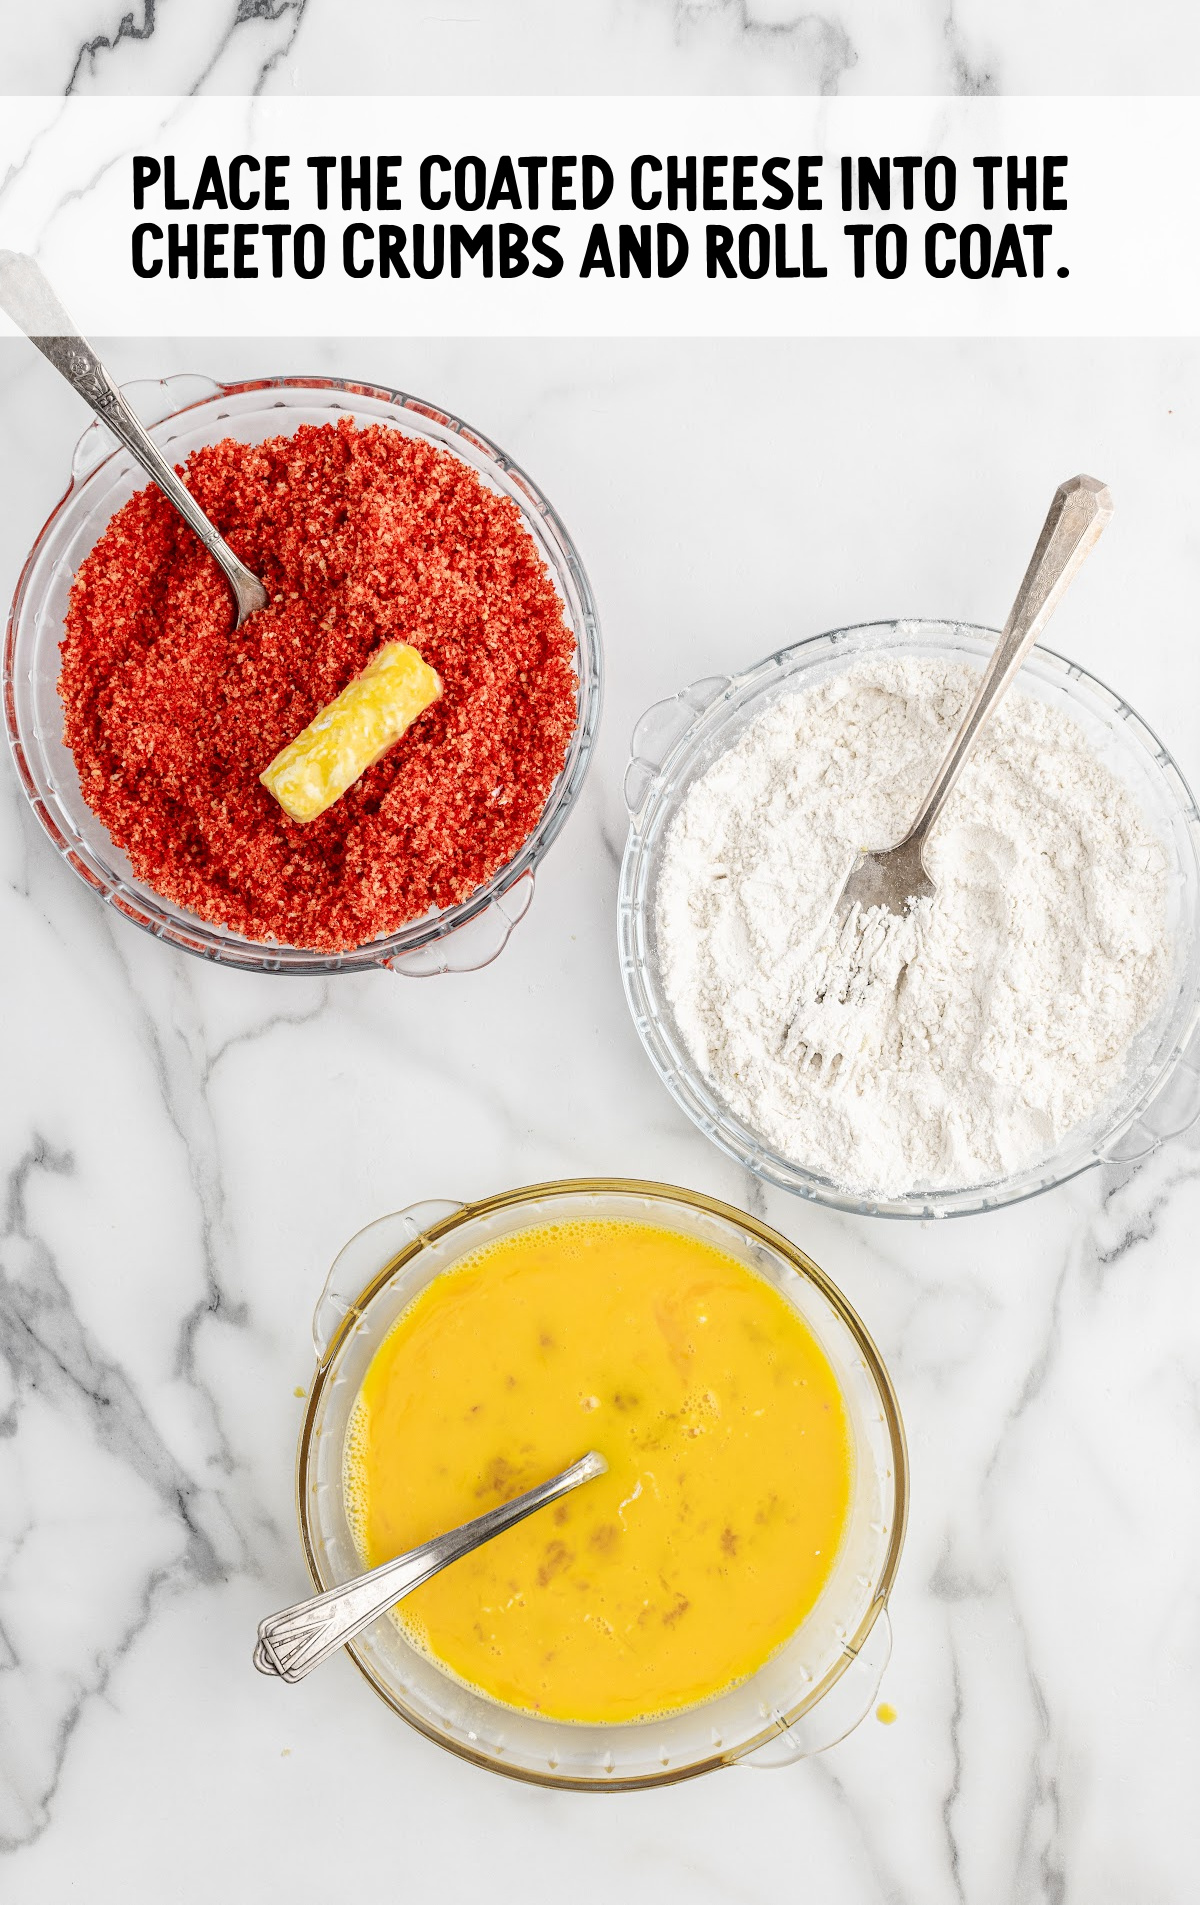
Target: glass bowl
184,413
679,739
812,1692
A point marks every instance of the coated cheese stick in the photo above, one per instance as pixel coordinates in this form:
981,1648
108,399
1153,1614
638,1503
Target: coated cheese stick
353,732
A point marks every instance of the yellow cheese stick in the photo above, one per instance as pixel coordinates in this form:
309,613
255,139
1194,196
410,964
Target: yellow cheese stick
354,731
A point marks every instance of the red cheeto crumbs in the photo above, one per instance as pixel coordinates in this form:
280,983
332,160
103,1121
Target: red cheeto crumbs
361,537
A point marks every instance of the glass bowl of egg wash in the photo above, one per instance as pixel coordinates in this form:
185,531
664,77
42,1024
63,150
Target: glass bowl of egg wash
719,1595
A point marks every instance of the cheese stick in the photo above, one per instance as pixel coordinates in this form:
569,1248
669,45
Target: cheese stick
353,732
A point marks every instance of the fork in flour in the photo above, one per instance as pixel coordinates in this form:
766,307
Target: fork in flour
850,988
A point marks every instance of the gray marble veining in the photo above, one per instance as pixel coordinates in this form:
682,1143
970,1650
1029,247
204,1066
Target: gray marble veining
607,46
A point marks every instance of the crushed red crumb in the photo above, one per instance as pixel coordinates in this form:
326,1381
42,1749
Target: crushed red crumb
361,537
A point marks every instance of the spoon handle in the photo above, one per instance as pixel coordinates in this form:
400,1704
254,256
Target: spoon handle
294,1641
28,298
1080,510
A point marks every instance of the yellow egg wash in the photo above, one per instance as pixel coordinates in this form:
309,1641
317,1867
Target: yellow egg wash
707,1543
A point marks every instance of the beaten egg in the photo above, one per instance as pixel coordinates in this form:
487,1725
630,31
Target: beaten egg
706,1545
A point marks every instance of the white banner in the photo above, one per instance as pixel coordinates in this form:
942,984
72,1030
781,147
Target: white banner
609,217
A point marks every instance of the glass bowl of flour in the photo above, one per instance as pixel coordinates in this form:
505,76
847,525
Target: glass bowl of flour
1037,1017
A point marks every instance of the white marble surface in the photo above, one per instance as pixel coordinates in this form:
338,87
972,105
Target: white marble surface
184,1149
606,46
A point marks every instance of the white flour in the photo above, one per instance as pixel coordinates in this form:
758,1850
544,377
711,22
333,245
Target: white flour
957,1045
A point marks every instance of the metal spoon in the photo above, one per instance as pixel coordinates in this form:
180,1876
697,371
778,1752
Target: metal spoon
294,1641
896,876
30,302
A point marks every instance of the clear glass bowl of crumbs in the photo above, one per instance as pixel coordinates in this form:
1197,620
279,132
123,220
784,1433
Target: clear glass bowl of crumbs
183,413
812,1691
679,739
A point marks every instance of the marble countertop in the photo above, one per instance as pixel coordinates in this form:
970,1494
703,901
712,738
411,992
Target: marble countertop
606,46
185,1149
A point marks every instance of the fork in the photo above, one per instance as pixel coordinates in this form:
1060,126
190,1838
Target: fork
888,883
297,1639
30,301
894,877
